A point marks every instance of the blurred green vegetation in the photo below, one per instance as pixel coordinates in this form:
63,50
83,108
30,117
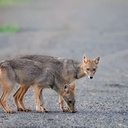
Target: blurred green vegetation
8,2
9,28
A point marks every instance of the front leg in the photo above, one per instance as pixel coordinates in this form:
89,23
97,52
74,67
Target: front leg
42,102
39,99
61,102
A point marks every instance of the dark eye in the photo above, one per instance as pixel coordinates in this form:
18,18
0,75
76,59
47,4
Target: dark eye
94,69
88,69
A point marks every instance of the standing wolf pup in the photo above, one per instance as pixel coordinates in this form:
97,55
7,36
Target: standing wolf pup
18,96
27,72
64,67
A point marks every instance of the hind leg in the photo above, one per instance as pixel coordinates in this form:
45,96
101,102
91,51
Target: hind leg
15,97
6,90
18,97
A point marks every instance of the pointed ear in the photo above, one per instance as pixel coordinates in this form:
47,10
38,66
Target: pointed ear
96,60
72,87
66,88
85,58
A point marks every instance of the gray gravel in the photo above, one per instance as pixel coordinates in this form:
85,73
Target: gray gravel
70,28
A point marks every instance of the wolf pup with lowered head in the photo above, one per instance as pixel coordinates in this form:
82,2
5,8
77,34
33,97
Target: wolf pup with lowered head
68,69
27,72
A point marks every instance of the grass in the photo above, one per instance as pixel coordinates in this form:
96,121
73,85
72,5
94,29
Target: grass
9,28
8,2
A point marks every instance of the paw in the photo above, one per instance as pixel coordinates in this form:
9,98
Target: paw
38,111
65,110
27,110
19,109
44,110
10,111
24,109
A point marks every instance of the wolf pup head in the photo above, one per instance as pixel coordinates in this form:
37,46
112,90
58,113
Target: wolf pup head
69,97
90,66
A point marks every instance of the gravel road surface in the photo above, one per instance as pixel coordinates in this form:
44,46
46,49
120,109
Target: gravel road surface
70,28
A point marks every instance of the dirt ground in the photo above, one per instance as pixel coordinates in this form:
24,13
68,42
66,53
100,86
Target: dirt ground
70,28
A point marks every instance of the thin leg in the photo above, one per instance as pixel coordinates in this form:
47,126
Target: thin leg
15,97
20,97
42,102
39,99
61,102
6,90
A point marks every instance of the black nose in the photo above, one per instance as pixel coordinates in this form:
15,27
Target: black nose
91,77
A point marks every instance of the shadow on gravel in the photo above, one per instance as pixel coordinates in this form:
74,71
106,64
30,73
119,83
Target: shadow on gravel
49,112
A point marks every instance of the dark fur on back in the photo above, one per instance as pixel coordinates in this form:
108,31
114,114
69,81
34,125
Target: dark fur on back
64,67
